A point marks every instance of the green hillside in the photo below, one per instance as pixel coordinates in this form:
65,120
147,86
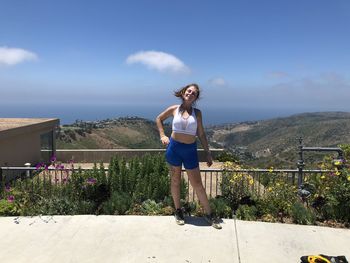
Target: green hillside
260,144
274,142
129,132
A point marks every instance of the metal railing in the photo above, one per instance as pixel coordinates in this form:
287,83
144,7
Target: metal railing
211,178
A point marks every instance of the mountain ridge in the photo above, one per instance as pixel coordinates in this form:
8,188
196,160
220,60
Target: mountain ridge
263,143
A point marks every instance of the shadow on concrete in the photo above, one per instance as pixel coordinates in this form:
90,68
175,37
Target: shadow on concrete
197,221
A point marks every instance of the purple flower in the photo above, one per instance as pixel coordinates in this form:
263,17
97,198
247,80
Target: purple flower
91,181
10,198
39,166
53,158
59,167
7,188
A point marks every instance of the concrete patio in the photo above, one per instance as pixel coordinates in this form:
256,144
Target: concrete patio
89,238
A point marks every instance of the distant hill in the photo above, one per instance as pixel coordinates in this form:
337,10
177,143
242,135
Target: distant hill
274,142
128,132
259,144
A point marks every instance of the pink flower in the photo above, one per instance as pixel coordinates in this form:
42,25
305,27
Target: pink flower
10,198
91,181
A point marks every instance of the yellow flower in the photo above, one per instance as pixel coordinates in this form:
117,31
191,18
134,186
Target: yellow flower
337,173
271,169
349,178
228,163
337,163
269,189
323,177
251,181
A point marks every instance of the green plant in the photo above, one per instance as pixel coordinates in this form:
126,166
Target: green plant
220,207
236,185
8,208
302,215
118,204
245,212
151,207
56,206
278,198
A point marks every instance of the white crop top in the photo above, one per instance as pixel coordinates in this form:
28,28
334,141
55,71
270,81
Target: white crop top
186,126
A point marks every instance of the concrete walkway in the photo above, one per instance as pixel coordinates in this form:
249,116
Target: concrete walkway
158,239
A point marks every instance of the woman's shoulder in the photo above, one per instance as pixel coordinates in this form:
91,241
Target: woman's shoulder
174,107
197,111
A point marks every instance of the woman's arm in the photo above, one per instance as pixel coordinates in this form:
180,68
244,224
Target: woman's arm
159,121
203,138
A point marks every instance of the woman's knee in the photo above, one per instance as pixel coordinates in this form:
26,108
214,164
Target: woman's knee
196,180
175,173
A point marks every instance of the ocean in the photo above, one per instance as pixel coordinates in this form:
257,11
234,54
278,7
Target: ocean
70,113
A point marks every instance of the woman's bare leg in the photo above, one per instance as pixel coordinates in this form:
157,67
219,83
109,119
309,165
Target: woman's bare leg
175,173
195,178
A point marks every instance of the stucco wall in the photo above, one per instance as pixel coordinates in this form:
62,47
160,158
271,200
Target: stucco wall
22,144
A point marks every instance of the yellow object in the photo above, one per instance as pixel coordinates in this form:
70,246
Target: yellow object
318,259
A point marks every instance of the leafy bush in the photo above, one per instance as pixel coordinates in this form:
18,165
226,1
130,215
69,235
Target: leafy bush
220,207
245,212
236,185
302,215
151,207
56,206
118,204
8,208
278,198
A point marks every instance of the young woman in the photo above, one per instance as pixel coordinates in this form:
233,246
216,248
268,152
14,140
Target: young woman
182,149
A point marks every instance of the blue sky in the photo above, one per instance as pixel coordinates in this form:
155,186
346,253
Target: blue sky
279,55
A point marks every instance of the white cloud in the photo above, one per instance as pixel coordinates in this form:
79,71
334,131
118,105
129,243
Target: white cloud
217,82
13,56
160,61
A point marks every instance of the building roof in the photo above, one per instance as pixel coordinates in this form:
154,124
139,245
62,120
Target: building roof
11,123
16,126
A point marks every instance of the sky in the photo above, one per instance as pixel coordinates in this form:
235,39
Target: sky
247,56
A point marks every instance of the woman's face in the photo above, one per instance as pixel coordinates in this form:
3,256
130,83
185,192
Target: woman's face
191,94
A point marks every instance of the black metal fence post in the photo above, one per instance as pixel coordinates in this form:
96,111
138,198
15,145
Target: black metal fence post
300,163
302,149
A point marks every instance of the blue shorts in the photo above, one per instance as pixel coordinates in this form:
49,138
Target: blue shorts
178,153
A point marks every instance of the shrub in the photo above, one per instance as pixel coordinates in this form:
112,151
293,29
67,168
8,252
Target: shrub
236,185
56,206
302,215
245,212
118,204
8,208
278,198
220,207
151,207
